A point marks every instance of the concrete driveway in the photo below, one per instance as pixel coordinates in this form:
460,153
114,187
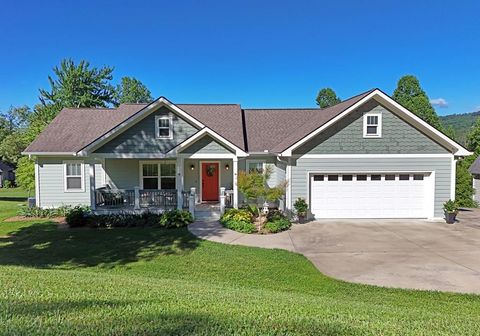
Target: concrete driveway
396,253
392,253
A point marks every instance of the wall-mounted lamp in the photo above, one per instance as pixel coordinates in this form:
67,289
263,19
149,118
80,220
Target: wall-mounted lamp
227,166
192,167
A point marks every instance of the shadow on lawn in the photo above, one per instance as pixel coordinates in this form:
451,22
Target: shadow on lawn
13,198
145,318
43,245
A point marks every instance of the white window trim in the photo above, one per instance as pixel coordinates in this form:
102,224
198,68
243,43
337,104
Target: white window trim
159,177
379,125
263,162
170,127
82,175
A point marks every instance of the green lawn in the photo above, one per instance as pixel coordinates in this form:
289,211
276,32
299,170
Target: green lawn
153,281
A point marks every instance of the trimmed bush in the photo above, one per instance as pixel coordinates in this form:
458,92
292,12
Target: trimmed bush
239,220
176,218
76,217
278,225
240,226
44,213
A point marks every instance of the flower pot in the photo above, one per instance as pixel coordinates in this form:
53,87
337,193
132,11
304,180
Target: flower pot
301,219
450,217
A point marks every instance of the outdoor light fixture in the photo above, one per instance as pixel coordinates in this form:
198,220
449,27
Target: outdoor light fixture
227,166
192,167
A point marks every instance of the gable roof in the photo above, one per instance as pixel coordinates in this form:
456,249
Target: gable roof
249,130
475,167
277,129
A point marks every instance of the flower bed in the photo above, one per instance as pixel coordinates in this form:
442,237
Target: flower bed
245,221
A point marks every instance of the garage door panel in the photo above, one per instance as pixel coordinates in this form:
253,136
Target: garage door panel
371,198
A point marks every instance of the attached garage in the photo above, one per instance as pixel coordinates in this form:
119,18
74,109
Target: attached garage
371,195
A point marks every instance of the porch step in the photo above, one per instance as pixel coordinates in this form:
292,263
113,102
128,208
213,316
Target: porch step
207,215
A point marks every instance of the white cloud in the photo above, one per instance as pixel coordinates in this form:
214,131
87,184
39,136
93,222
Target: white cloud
439,102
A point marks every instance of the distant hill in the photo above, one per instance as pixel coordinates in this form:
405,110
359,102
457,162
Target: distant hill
461,123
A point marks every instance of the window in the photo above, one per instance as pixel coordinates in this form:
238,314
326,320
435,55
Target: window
257,166
418,177
158,175
347,177
164,127
404,177
74,176
361,177
390,177
333,177
372,125
375,177
318,177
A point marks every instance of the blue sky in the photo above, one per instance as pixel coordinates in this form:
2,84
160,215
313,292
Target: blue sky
257,53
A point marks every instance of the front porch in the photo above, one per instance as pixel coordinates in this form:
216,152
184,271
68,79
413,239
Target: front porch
140,185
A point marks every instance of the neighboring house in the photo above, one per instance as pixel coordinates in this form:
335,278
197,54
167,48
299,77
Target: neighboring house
366,157
475,171
7,173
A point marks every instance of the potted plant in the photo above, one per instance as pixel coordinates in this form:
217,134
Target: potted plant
451,210
301,208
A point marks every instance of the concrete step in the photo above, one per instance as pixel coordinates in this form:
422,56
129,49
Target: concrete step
207,215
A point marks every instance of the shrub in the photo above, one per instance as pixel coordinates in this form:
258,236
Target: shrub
450,206
8,184
301,207
176,218
77,216
241,215
240,226
43,213
274,215
240,220
277,225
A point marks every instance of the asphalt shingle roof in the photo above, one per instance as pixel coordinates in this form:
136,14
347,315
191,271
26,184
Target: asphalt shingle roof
253,130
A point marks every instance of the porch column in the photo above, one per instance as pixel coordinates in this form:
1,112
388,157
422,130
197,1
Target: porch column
235,186
93,202
180,181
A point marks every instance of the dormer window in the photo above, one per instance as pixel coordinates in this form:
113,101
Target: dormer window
372,125
164,127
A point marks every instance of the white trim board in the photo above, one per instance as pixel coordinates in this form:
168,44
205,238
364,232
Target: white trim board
407,116
137,117
82,176
371,156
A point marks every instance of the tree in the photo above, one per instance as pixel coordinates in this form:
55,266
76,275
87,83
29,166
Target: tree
410,95
12,146
254,186
79,86
131,90
327,97
464,188
25,174
473,138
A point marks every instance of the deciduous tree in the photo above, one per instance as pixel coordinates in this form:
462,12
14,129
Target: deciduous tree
327,97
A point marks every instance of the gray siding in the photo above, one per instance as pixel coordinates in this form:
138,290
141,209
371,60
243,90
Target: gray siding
51,184
206,145
122,173
441,167
476,186
346,137
141,138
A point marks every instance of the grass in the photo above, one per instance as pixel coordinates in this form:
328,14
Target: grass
152,281
10,200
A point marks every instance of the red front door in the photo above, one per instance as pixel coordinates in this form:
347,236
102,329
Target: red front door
210,187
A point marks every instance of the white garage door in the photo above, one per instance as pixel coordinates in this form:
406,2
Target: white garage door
375,195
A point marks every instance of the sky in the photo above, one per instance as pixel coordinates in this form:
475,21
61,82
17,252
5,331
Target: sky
256,53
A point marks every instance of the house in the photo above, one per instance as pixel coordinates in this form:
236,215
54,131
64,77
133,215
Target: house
366,157
7,173
475,171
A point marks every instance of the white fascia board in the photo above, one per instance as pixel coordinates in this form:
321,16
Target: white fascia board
49,153
288,151
412,118
207,131
371,156
138,116
430,130
132,155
